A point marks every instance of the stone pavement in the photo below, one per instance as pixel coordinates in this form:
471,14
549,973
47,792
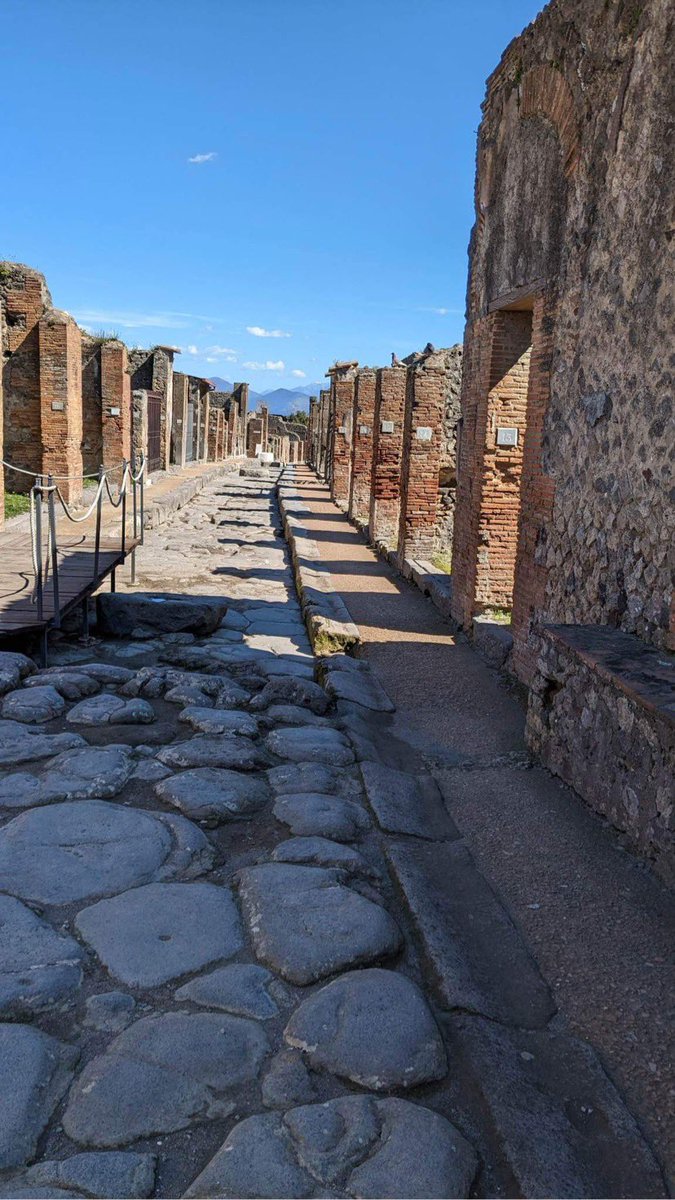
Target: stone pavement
210,981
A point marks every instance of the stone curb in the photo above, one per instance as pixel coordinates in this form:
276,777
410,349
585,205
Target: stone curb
158,511
328,622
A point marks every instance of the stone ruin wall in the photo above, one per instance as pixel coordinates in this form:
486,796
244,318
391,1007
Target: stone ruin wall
24,298
447,480
572,198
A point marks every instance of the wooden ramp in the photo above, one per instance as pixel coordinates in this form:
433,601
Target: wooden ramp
78,576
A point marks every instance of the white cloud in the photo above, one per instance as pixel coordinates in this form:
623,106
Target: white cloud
443,312
223,352
191,350
96,318
266,366
299,374
258,331
202,158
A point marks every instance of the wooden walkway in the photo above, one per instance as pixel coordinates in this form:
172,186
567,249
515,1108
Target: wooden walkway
76,579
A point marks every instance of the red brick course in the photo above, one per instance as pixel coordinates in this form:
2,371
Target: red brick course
385,500
363,416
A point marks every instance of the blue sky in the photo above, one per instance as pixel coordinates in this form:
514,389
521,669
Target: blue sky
331,200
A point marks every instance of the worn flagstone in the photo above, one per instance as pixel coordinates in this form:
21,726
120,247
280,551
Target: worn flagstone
40,969
240,988
36,1070
79,774
33,705
212,795
312,814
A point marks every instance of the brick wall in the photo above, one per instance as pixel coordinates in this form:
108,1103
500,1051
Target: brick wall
361,473
25,298
60,350
92,429
179,419
389,411
342,377
115,403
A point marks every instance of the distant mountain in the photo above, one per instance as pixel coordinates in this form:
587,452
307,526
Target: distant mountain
221,385
283,400
311,389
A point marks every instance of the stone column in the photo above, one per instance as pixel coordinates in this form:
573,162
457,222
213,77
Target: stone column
139,423
422,447
212,434
179,419
2,422
115,404
388,417
362,445
342,377
162,382
60,348
25,298
205,422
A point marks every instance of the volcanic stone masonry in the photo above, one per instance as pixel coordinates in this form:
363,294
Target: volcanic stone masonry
552,478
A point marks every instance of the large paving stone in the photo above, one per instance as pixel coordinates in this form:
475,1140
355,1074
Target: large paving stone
353,1146
161,931
111,710
36,1070
107,672
208,720
351,679
104,1174
75,851
291,690
39,968
214,750
305,923
120,614
561,1126
373,1027
404,804
480,960
79,774
293,714
313,777
13,668
322,852
19,744
163,1073
240,988
33,705
305,744
311,814
109,1012
212,795
71,684
287,1082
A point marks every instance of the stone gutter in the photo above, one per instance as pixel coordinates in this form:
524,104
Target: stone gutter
328,622
158,510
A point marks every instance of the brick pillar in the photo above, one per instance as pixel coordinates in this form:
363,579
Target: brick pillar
162,382
179,419
388,417
139,423
363,416
115,404
212,434
422,447
25,298
60,347
342,377
265,434
204,427
2,415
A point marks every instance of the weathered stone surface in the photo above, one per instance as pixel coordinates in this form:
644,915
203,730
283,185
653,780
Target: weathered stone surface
161,931
353,1145
104,1174
106,672
33,705
120,613
75,851
291,690
293,714
214,750
39,968
240,988
211,795
234,620
36,1070
110,1012
13,668
322,852
311,814
19,743
287,1082
351,679
564,1129
257,1159
404,804
208,720
480,960
311,745
373,1027
78,774
161,1074
111,710
312,777
305,924
71,684
149,771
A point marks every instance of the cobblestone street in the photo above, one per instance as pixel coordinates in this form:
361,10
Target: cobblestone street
212,860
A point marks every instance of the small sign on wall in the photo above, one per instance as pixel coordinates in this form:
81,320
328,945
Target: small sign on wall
507,436
58,406
364,430
423,433
387,426
114,412
342,429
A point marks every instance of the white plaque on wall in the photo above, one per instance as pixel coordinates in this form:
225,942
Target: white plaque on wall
423,433
387,426
364,430
507,437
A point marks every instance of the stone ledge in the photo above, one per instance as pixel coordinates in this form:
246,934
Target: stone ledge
159,510
494,642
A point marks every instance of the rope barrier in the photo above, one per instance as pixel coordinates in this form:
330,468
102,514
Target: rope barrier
63,478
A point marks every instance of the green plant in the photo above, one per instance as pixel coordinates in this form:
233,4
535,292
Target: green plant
442,561
500,616
15,504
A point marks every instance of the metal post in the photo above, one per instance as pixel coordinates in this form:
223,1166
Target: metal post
55,554
134,495
133,566
143,503
38,546
124,506
112,580
97,541
85,619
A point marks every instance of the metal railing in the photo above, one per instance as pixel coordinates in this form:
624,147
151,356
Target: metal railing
45,493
